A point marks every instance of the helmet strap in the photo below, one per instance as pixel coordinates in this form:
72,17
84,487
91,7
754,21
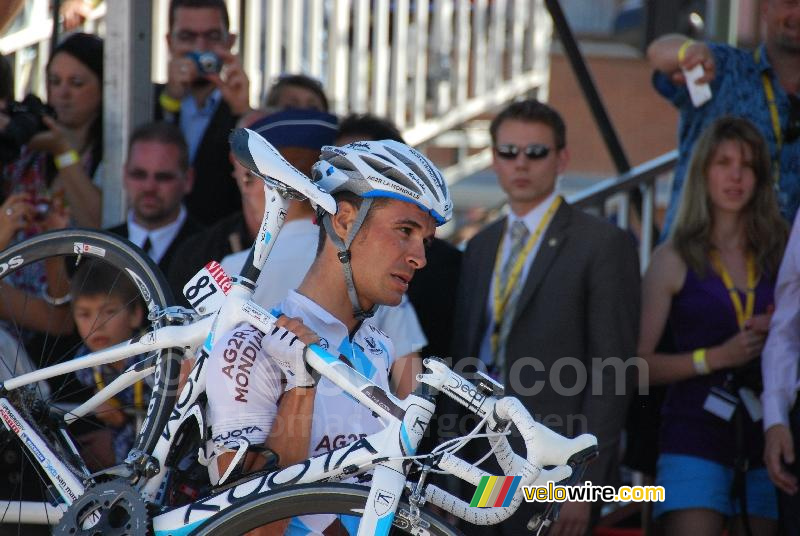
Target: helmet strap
344,255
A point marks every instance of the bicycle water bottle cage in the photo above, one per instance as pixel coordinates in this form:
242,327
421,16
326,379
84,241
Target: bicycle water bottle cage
259,156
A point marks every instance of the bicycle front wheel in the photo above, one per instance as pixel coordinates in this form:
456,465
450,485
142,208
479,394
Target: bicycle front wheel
308,499
38,329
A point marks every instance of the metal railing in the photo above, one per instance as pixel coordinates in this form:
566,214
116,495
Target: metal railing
613,196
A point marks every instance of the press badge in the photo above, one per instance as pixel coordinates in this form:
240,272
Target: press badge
721,403
751,403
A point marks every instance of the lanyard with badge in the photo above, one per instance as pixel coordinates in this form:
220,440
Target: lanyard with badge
722,402
503,293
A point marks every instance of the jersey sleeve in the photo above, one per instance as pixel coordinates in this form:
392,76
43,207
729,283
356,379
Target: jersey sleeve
243,386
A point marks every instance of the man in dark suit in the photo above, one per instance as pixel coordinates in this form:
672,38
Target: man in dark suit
157,177
546,295
207,105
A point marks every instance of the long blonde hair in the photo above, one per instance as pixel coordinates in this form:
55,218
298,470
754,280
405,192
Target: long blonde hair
765,229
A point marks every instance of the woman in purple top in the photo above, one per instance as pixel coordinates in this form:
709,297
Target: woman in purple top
713,283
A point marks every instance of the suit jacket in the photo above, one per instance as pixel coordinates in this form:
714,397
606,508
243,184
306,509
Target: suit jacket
432,292
189,228
221,239
580,301
214,194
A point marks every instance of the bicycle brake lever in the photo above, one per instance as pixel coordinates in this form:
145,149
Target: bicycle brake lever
578,462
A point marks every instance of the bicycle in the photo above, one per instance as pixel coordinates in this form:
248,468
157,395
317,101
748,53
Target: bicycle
123,498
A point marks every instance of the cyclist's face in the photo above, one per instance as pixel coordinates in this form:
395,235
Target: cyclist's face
388,249
155,184
103,320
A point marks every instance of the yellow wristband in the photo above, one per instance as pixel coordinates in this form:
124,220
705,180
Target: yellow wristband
684,47
700,362
170,104
67,158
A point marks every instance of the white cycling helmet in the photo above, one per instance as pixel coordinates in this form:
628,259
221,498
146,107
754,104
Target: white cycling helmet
385,168
373,169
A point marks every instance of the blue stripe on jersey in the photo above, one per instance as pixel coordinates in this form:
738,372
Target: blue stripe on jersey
357,357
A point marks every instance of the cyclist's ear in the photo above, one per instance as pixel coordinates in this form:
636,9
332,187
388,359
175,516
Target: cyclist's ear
344,218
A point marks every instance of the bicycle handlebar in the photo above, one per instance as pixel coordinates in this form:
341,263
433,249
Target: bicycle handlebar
543,446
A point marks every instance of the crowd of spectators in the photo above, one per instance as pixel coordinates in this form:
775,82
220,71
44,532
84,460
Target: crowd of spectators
546,297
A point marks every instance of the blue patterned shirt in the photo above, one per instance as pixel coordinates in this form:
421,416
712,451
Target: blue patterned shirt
737,90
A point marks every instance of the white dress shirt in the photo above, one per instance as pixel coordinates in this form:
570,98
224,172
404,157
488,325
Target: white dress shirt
531,221
782,349
160,239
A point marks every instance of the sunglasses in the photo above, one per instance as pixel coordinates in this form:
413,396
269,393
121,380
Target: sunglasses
792,130
534,151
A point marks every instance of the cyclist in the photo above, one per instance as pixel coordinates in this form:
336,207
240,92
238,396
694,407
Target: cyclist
389,199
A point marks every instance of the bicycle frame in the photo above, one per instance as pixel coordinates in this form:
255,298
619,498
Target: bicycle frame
385,452
237,308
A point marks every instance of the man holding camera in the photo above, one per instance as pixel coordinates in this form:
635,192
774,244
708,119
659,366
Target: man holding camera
205,93
762,85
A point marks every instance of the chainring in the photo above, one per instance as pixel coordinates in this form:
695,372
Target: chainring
111,508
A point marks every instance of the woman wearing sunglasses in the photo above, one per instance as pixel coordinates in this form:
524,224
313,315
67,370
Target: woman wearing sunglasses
713,283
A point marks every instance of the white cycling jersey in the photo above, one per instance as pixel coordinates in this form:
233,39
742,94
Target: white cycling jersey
244,386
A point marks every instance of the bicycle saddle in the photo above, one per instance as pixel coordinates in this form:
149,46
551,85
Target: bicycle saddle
259,156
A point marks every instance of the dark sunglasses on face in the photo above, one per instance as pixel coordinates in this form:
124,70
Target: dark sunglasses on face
792,130
534,151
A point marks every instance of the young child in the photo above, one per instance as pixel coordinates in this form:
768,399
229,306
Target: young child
107,310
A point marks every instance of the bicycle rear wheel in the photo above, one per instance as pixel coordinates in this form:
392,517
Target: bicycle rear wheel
306,499
36,332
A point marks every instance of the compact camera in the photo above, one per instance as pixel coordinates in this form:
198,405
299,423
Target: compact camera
206,62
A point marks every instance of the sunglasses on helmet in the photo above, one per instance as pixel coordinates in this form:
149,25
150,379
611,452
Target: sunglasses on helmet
534,151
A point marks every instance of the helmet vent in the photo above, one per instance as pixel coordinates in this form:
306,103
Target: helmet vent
418,171
389,171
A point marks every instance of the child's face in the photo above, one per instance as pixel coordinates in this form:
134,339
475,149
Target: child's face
104,321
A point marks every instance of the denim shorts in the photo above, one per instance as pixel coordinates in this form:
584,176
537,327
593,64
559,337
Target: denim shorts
692,482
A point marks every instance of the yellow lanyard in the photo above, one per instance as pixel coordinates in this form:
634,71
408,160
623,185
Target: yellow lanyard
769,92
138,390
742,315
501,295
